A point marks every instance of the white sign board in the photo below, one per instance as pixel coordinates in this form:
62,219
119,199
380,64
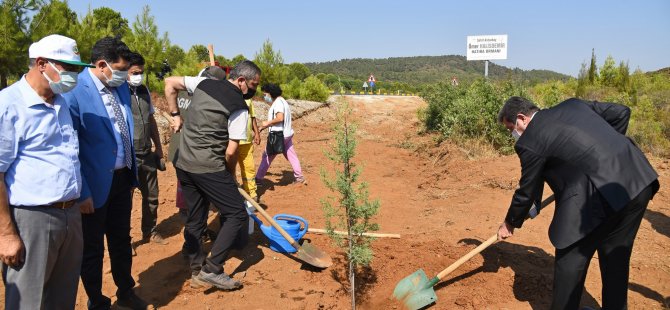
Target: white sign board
487,47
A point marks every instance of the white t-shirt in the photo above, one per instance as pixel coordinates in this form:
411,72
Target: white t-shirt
281,106
237,122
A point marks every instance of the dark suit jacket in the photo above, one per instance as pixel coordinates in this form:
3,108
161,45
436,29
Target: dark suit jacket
580,150
97,145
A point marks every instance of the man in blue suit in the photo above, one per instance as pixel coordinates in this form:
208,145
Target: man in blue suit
101,113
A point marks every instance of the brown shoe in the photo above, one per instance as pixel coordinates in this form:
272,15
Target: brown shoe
158,239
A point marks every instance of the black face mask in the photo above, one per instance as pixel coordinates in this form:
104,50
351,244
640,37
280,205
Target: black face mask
250,94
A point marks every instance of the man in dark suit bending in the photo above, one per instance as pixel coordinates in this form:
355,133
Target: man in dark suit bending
602,183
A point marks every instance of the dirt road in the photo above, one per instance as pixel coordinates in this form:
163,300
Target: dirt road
441,200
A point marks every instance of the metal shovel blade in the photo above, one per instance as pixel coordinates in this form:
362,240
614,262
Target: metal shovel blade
313,255
415,291
306,252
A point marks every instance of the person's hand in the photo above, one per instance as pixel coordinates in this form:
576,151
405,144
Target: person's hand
176,123
257,139
12,250
505,231
265,124
86,206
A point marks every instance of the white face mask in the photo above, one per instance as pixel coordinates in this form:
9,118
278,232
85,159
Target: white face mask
67,80
118,76
267,98
136,80
515,134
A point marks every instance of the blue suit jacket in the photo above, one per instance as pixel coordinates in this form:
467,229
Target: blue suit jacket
97,145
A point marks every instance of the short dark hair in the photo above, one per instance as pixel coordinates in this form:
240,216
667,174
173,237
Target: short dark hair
109,49
245,68
515,106
273,89
135,59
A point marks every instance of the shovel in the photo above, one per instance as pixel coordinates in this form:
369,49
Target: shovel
416,291
307,252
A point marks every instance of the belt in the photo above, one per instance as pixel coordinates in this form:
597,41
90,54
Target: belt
61,204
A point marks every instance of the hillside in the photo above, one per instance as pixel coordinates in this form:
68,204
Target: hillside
427,69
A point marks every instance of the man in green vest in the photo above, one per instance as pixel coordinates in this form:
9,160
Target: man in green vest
148,161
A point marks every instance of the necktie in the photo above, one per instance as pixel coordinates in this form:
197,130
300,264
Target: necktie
121,122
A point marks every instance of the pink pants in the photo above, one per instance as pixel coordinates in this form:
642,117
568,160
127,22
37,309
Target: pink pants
289,153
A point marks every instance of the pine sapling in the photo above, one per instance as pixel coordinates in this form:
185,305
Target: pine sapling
352,210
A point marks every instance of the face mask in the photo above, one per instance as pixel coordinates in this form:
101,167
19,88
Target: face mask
268,99
250,93
136,80
67,81
118,76
515,134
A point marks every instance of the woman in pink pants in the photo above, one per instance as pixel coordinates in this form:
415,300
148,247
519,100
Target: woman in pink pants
279,119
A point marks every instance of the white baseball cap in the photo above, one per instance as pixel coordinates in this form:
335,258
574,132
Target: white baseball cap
59,48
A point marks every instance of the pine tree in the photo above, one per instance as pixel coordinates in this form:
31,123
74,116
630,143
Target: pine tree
608,72
353,210
593,68
144,39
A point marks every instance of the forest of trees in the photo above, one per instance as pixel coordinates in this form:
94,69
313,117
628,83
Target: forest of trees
409,73
25,21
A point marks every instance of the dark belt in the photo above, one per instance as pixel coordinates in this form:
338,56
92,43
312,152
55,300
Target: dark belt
62,204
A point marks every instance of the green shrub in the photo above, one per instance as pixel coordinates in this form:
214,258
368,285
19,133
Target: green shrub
313,89
465,114
292,89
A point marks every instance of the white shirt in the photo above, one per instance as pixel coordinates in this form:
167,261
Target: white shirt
280,105
120,155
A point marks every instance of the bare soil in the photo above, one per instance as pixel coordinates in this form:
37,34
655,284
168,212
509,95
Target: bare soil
443,199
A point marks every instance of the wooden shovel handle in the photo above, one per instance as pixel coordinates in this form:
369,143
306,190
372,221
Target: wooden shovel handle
467,257
210,49
481,247
266,216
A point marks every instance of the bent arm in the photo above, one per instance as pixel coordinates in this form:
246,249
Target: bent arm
617,115
530,188
173,85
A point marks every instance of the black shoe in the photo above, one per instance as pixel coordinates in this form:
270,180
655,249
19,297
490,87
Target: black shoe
104,303
132,301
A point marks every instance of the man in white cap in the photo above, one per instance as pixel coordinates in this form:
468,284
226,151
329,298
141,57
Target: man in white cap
40,224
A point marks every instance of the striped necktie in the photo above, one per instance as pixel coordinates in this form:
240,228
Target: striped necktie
123,127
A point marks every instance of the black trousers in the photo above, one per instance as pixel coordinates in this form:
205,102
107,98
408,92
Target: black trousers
147,177
219,189
111,220
613,240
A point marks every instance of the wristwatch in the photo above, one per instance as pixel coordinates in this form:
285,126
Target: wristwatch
174,113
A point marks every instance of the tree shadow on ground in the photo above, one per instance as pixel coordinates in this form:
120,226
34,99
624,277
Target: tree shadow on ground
659,222
533,272
651,294
366,278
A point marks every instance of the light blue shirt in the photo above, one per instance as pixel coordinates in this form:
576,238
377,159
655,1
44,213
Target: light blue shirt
39,149
120,159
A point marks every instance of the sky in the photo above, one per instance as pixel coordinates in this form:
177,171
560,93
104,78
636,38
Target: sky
551,35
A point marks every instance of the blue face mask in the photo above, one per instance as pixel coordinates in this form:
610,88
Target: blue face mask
267,99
